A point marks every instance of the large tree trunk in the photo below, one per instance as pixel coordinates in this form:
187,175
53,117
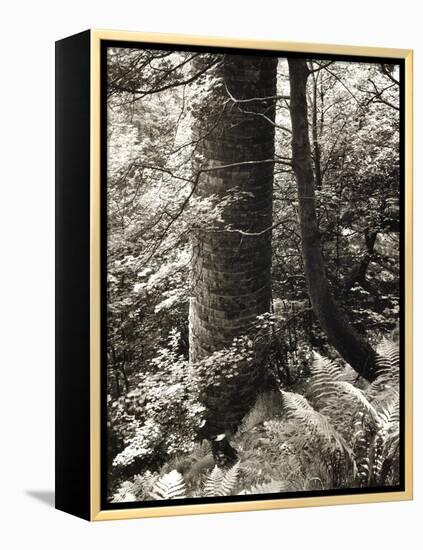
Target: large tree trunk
339,331
231,271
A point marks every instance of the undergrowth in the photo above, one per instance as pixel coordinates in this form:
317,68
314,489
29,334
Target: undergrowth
340,432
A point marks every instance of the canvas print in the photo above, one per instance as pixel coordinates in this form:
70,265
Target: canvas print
253,274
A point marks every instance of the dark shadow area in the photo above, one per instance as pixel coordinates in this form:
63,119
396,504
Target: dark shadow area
46,497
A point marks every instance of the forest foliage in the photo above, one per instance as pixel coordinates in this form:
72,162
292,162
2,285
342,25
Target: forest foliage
317,425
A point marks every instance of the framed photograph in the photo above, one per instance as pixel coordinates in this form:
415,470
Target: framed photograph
233,275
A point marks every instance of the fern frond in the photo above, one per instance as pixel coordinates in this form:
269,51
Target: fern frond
389,411
213,482
270,487
229,479
316,424
322,388
297,407
378,458
382,388
330,393
388,357
125,493
323,365
387,365
323,370
169,486
220,483
359,397
392,444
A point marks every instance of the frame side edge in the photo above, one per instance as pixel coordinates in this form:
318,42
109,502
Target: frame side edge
72,275
408,160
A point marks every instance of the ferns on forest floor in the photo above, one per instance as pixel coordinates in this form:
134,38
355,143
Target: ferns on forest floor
361,425
221,483
336,435
169,486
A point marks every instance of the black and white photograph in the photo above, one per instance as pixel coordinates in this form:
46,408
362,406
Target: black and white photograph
253,274
210,289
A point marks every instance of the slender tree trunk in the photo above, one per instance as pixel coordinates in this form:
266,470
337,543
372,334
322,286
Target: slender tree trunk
316,144
231,271
358,272
339,331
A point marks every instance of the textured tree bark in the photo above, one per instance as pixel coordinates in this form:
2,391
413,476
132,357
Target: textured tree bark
316,144
357,352
231,271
